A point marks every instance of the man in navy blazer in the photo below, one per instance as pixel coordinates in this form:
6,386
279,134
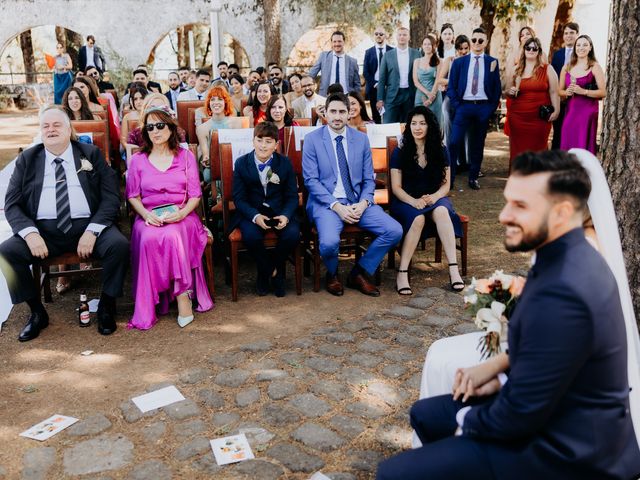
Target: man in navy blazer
474,92
372,61
265,194
559,60
396,90
336,66
563,412
338,173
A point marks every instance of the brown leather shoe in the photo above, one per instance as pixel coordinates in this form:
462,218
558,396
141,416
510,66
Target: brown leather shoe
360,282
334,285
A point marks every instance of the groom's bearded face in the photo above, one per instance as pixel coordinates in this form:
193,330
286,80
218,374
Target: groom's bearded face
526,213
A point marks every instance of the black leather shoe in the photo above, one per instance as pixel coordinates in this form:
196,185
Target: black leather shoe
106,322
474,185
36,322
262,285
279,288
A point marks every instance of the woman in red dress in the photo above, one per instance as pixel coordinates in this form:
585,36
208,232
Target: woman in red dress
534,84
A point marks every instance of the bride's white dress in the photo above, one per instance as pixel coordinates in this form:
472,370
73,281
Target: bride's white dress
446,355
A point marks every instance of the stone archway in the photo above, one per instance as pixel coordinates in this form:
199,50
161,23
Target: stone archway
166,52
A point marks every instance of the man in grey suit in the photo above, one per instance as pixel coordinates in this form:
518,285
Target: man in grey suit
336,66
396,90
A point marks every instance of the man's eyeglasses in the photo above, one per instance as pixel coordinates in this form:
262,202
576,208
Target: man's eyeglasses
307,86
479,41
152,126
531,48
379,34
274,75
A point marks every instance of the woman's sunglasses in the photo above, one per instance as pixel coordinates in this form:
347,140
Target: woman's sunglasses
479,41
152,126
531,48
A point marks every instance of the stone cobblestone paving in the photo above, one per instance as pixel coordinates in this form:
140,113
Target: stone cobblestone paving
336,401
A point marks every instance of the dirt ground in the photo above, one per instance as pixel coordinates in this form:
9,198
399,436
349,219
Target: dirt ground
48,375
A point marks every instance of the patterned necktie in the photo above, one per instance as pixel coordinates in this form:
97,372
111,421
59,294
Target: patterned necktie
264,165
344,170
62,198
337,69
476,76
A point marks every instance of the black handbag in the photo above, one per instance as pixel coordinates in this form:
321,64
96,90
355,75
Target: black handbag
545,112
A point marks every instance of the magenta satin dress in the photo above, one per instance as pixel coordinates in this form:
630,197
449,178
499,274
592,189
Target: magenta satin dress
166,260
580,124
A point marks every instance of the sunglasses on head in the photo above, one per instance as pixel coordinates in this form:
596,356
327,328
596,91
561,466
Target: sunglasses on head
531,48
479,41
152,126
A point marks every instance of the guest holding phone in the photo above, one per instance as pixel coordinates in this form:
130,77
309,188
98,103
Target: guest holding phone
535,103
167,238
582,83
265,194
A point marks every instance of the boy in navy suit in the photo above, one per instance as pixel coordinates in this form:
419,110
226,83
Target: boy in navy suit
265,194
474,92
563,412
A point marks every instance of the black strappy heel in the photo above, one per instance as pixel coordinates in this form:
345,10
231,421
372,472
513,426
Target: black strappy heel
455,286
404,291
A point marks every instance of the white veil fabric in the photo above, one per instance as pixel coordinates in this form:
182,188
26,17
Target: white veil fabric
604,220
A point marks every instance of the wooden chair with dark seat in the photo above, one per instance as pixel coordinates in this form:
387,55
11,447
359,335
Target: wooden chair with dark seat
100,133
461,243
182,108
42,273
234,238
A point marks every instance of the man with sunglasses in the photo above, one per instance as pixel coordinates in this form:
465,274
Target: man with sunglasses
372,60
276,78
474,92
94,73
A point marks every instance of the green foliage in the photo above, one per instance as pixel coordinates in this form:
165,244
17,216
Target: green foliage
504,9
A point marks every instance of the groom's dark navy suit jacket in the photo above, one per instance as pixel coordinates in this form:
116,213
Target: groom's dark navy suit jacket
564,413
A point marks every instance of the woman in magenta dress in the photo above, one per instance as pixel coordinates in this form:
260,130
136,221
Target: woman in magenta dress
582,83
166,246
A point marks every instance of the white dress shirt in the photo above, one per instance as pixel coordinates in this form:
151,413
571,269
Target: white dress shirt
403,66
263,178
343,70
480,95
192,95
78,203
567,54
339,192
376,76
90,56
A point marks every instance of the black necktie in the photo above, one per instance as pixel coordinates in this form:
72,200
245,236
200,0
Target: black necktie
337,69
379,57
63,209
199,97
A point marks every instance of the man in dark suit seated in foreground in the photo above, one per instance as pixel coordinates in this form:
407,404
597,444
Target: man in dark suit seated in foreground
62,197
563,412
265,194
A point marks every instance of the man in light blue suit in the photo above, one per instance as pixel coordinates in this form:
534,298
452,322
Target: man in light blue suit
338,173
336,66
474,94
396,90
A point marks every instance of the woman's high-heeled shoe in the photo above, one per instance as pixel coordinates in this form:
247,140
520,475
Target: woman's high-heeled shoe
405,291
184,321
455,286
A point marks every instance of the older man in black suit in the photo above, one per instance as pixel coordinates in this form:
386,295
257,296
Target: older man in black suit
265,194
563,411
62,197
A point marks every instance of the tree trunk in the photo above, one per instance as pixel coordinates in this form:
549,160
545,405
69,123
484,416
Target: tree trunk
61,35
72,45
563,16
181,41
423,20
621,142
27,57
488,13
505,47
237,53
271,24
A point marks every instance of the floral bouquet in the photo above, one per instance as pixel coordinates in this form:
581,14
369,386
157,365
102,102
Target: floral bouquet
492,301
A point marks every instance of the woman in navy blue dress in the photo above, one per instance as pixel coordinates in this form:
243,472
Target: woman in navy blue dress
420,179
